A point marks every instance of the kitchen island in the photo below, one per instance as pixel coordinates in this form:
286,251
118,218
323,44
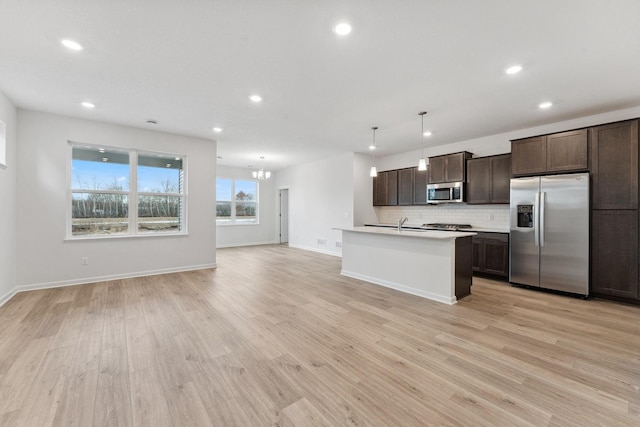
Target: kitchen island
431,264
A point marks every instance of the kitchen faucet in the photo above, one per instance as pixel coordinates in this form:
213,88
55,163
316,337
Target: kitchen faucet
400,222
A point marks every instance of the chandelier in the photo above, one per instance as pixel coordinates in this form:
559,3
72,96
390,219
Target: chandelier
261,174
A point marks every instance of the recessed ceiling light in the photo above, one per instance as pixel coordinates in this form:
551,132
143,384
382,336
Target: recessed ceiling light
218,129
70,44
255,98
87,104
372,147
514,69
545,105
342,29
427,133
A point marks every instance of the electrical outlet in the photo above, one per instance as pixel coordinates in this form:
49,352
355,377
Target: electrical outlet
338,244
85,261
322,242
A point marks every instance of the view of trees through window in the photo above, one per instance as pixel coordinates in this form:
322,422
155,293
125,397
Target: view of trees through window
101,192
236,201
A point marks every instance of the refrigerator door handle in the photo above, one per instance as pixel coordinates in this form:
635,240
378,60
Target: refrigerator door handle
536,214
542,203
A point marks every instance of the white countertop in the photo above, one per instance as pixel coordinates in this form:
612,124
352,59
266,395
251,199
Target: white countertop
481,229
424,234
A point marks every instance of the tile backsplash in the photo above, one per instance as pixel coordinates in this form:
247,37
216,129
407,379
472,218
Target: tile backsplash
487,216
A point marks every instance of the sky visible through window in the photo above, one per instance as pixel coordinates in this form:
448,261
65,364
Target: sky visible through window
102,176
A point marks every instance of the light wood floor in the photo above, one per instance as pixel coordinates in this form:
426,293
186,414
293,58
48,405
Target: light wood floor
275,336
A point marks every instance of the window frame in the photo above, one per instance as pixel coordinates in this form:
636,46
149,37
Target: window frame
233,220
3,145
132,194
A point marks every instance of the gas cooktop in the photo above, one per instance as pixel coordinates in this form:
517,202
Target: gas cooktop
451,227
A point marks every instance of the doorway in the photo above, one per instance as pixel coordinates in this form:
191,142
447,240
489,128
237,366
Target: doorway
284,215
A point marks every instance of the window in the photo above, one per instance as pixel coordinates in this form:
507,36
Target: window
236,201
125,192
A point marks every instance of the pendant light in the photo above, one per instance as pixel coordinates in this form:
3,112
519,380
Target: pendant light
373,171
260,174
422,164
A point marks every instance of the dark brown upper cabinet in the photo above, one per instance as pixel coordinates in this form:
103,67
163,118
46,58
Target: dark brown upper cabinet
488,180
448,168
406,179
614,165
385,188
421,179
559,152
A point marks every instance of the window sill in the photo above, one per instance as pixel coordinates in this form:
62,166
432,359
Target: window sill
238,224
122,236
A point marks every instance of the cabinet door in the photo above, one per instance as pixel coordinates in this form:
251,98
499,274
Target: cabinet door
614,165
476,254
479,181
405,186
567,151
392,187
437,166
529,156
500,178
455,167
420,187
614,253
496,257
380,189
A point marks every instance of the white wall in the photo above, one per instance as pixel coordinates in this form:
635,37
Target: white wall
320,198
8,201
46,259
263,233
363,211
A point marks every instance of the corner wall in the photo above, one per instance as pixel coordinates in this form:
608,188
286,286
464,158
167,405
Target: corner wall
45,259
320,199
8,203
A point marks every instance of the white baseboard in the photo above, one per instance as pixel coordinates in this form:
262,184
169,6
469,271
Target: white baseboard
321,251
237,245
6,297
401,288
86,280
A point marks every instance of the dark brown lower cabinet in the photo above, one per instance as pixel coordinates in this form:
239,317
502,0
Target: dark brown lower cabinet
491,254
614,253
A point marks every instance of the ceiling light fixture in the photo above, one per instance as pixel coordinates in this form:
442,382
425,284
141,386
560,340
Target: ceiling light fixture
514,69
545,105
255,98
260,174
217,129
422,163
427,133
342,29
87,104
373,172
70,44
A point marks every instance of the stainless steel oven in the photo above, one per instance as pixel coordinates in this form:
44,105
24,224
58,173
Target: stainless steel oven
448,192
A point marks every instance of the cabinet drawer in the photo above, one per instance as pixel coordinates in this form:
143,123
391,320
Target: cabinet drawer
496,237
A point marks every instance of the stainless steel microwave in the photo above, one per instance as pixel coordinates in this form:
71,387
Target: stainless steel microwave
448,192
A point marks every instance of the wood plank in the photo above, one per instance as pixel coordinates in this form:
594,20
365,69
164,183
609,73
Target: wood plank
275,336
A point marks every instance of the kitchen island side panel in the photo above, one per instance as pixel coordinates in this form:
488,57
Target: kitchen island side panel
419,266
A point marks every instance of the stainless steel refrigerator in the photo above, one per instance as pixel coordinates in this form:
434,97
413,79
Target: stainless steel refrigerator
549,239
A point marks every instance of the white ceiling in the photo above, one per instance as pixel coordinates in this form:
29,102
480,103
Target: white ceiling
192,65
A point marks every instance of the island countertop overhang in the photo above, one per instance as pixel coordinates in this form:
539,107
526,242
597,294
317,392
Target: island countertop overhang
424,234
